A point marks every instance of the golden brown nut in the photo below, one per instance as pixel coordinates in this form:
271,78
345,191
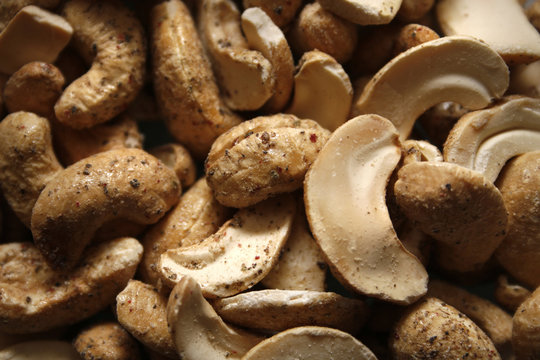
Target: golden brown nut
414,10
282,12
262,157
35,87
106,341
510,295
412,35
526,328
179,159
40,349
8,8
36,298
117,184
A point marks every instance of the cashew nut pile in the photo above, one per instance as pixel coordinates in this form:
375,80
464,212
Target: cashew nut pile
270,179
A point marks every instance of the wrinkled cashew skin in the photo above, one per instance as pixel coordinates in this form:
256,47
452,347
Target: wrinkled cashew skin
118,184
110,36
263,157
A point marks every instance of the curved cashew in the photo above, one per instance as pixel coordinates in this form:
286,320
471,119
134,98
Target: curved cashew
310,342
27,161
282,12
322,90
526,328
40,350
525,79
117,184
109,36
452,68
346,208
264,36
484,140
420,150
245,75
198,332
106,341
510,295
239,254
8,8
187,94
458,207
363,12
177,157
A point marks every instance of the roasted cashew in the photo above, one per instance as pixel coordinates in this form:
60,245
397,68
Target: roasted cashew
281,12
364,12
110,37
177,157
526,328
8,8
40,350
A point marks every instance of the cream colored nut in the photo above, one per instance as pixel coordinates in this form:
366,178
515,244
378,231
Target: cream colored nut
106,341
501,24
72,145
142,311
264,36
27,161
239,255
452,68
40,350
245,76
420,150
484,140
317,28
526,328
198,332
310,342
278,310
282,12
178,158
346,207
519,252
9,8
262,157
48,299
363,12
110,37
412,35
188,95
525,79
510,295
33,34
431,329
322,90
495,322
414,10
301,264
117,184
196,216
458,207
35,87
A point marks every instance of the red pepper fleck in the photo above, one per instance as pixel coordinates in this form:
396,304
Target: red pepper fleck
129,301
20,127
121,37
239,245
131,310
158,181
131,79
257,257
313,138
77,204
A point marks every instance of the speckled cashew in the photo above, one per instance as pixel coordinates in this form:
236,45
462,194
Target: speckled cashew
363,12
262,157
177,157
198,332
526,328
142,311
239,255
35,87
110,37
510,295
196,216
34,297
412,35
432,329
27,161
317,28
187,95
245,76
40,350
106,341
346,208
8,8
452,68
278,310
125,184
282,12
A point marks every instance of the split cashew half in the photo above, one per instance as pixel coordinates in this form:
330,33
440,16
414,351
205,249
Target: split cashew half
363,12
108,35
452,68
344,194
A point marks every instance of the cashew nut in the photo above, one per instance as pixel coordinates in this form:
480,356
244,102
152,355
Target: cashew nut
525,79
8,8
363,12
526,328
412,35
40,350
281,12
414,10
108,35
177,157
510,295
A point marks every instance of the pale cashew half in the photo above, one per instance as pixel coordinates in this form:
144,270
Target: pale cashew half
344,195
264,36
116,184
502,24
452,68
310,343
34,297
245,76
484,140
8,8
187,95
239,254
526,328
322,90
363,12
458,207
27,161
525,79
282,12
40,350
278,310
198,332
108,35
